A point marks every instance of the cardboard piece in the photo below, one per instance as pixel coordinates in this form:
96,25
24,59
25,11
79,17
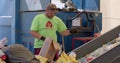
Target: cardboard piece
49,49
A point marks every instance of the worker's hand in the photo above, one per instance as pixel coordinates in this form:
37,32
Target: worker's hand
65,33
73,31
42,38
45,39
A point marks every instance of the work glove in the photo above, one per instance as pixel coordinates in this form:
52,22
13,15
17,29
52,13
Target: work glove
42,38
73,31
45,39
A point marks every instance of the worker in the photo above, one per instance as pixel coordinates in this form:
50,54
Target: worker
45,26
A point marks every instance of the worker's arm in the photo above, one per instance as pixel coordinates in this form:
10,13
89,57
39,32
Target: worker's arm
68,32
36,35
65,33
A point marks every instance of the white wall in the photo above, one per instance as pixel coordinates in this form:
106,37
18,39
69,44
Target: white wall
111,14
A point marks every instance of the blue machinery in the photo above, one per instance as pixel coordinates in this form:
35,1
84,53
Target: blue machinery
23,11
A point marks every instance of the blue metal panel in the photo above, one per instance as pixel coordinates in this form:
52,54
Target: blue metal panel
26,38
5,28
98,23
7,20
45,3
17,22
77,3
26,23
88,5
91,5
4,8
26,5
5,31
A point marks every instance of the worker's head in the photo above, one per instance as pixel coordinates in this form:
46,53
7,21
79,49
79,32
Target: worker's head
51,10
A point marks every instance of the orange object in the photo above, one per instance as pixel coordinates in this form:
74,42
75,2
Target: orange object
97,34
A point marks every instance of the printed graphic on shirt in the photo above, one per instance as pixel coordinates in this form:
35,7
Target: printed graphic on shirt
49,25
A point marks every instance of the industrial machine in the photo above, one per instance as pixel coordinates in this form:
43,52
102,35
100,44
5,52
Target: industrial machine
82,15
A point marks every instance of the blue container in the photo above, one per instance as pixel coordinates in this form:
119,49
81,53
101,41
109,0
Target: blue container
66,17
78,3
88,5
7,20
91,5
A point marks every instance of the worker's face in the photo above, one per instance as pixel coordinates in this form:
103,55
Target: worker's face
51,13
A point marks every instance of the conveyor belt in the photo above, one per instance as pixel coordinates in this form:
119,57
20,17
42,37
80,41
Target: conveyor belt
97,42
116,60
112,56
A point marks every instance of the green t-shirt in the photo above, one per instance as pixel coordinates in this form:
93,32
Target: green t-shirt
47,27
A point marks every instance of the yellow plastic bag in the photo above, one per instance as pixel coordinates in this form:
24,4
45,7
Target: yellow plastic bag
41,59
64,58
